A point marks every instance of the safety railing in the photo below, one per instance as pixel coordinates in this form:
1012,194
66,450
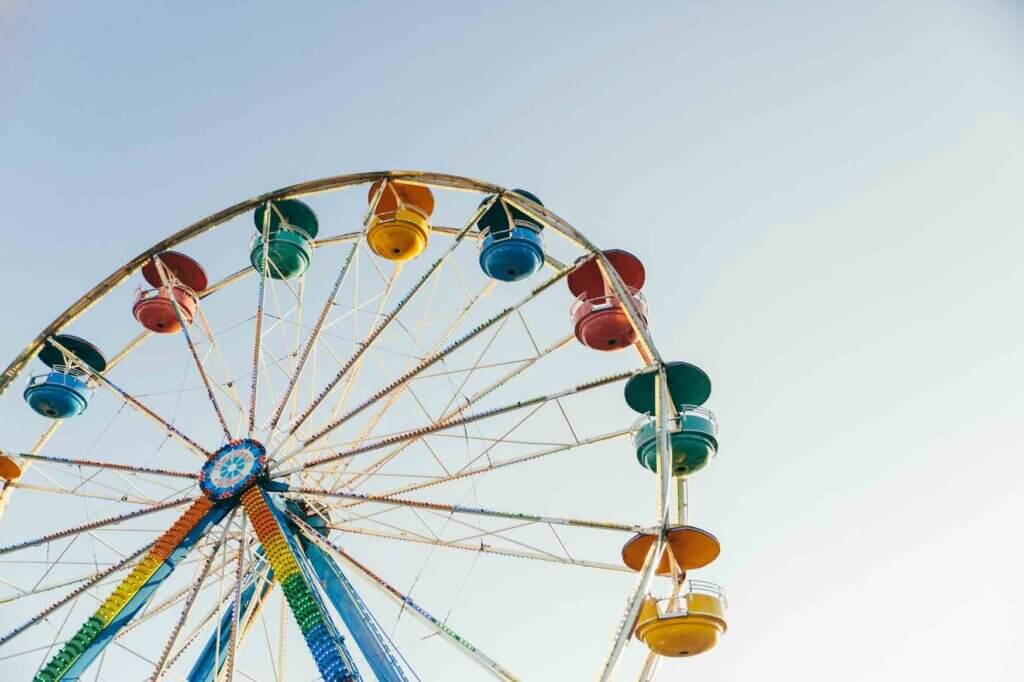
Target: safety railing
489,237
282,226
142,294
641,434
74,377
506,233
392,215
584,306
680,605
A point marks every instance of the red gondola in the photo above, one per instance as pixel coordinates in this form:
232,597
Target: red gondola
182,278
599,319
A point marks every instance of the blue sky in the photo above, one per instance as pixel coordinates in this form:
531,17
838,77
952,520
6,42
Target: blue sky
826,196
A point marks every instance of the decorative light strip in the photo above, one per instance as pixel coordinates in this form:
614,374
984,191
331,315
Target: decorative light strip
305,607
81,641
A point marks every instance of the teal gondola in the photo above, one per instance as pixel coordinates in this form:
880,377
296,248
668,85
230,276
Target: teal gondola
292,228
694,435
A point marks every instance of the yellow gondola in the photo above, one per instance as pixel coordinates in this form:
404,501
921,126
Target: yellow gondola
686,625
400,227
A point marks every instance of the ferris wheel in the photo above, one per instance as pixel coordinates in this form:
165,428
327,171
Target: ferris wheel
229,462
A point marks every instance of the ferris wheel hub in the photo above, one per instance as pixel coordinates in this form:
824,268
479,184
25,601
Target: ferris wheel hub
233,468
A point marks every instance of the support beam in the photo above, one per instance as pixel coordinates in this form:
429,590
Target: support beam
324,642
133,593
372,423
190,601
358,619
460,643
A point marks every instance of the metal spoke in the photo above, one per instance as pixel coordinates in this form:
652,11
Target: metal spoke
451,412
357,367
452,423
265,259
313,337
237,604
93,525
90,496
650,667
459,509
332,297
130,468
466,471
368,343
436,357
229,386
53,642
83,481
483,548
45,588
633,604
155,609
134,402
214,610
183,323
537,350
8,486
368,428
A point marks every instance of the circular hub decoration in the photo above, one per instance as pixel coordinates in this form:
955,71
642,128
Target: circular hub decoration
233,468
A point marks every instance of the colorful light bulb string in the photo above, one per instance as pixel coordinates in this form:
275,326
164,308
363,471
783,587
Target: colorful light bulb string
306,608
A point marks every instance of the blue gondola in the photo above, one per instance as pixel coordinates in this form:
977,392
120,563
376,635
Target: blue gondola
64,392
510,253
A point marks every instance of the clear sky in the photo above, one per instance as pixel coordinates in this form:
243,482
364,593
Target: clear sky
827,197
